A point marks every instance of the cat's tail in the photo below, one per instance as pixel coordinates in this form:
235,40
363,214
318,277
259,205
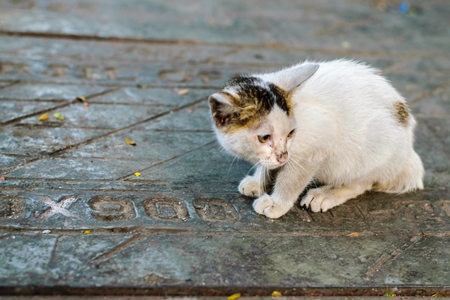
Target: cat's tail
409,179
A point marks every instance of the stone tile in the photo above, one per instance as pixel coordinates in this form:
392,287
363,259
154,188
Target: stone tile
3,84
301,262
437,106
193,167
80,169
154,96
417,264
9,161
37,141
432,149
36,264
48,92
99,116
111,72
11,109
73,50
193,118
279,58
156,145
362,25
413,86
20,265
76,258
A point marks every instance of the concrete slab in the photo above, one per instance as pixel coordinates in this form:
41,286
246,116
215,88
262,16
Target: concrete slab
203,21
84,213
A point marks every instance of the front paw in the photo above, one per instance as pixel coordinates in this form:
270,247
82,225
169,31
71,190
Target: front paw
264,205
250,187
318,200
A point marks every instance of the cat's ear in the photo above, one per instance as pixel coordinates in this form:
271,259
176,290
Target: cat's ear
293,77
222,108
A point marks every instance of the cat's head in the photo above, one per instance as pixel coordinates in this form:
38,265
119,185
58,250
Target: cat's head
253,115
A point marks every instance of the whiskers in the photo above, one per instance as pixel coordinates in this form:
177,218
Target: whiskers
225,152
294,161
231,164
262,175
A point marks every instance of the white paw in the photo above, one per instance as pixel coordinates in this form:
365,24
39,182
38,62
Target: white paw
318,200
264,205
251,187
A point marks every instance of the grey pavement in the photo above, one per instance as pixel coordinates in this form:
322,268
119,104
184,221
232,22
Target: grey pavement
82,212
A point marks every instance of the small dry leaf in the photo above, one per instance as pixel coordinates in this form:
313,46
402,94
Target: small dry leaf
43,117
81,99
346,45
183,92
137,174
142,86
59,116
234,296
87,232
130,142
353,234
276,294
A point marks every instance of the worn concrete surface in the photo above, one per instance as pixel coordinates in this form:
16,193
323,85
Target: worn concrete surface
207,298
75,218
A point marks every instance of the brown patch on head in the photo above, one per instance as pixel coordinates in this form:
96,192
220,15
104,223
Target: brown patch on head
253,102
401,113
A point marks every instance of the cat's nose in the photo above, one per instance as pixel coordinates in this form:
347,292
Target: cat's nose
282,157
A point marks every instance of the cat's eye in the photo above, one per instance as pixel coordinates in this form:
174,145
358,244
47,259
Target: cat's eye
290,134
263,138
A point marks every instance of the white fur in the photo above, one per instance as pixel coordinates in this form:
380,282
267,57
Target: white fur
346,136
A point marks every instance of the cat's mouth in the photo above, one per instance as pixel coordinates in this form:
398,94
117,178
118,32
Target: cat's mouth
271,165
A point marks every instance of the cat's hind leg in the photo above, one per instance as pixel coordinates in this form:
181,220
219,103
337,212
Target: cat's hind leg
326,197
409,179
255,185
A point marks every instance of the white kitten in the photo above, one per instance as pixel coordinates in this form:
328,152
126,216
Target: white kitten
338,123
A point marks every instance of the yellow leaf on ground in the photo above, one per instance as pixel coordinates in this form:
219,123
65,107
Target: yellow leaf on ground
137,174
59,116
276,294
346,45
355,234
234,296
183,92
130,142
142,86
43,117
87,232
